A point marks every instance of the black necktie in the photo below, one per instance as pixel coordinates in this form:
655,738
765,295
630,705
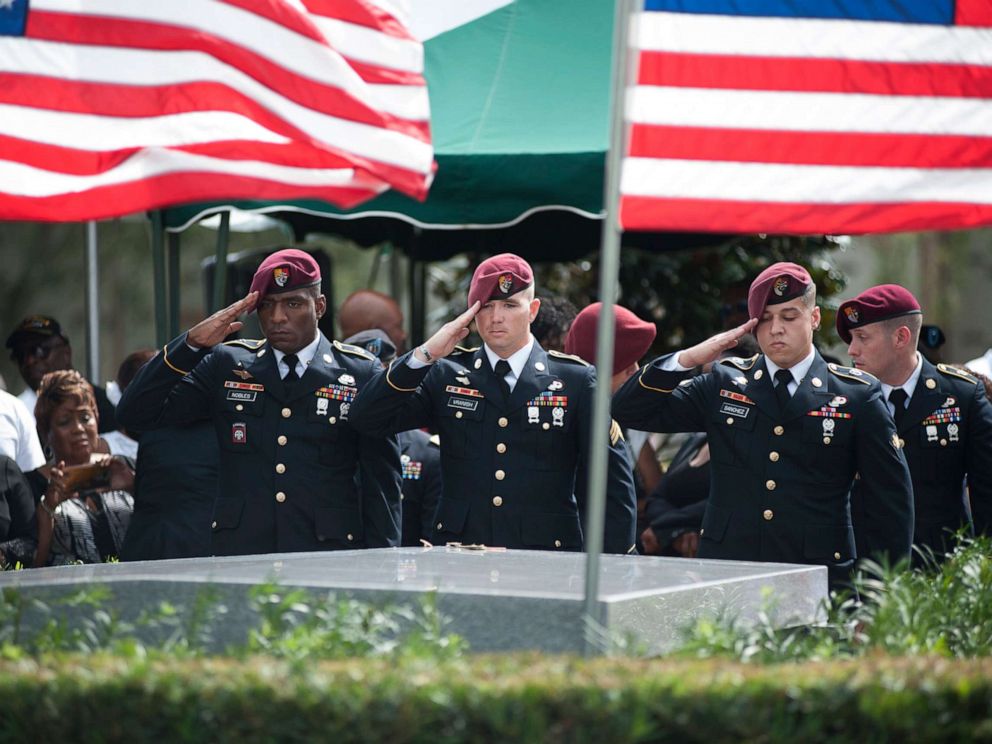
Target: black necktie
782,379
897,397
502,370
291,360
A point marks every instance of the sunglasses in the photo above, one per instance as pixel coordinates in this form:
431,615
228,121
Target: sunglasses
39,351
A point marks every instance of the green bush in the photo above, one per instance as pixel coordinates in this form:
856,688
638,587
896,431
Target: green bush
944,609
519,698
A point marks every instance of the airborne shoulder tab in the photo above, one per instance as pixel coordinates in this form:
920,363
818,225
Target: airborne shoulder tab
354,350
252,344
961,374
740,363
616,433
568,357
850,373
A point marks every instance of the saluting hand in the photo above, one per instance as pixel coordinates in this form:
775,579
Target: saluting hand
221,324
710,349
444,341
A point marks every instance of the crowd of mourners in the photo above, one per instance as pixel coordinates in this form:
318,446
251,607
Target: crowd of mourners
749,445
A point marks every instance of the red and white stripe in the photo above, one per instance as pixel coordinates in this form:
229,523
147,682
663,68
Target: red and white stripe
777,125
109,107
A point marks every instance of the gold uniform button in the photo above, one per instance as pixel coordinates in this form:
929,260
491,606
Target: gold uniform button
729,420
213,525
333,420
497,501
458,414
350,537
280,497
280,468
557,543
943,442
545,426
503,422
439,526
239,407
770,485
282,440
500,474
501,448
826,440
768,514
836,556
779,430
773,456
286,413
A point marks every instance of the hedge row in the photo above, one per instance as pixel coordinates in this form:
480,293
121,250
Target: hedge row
520,698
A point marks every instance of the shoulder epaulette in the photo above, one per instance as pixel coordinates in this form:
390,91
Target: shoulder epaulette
252,344
742,364
850,373
569,357
961,374
354,350
435,439
616,433
466,349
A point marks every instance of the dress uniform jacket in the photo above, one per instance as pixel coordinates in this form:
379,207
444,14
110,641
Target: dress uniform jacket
175,485
294,474
421,461
513,471
780,482
947,434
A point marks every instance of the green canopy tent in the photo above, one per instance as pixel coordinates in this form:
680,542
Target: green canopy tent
520,112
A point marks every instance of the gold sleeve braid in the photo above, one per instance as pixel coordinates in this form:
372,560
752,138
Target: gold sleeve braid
170,365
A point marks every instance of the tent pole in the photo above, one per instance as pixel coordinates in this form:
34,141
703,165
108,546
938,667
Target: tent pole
174,293
418,290
92,304
609,267
220,263
158,264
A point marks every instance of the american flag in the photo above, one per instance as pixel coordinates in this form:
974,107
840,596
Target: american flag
809,116
109,107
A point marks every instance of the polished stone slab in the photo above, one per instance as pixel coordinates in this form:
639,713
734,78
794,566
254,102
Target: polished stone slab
497,599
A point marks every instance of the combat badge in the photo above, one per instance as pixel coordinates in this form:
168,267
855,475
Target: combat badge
556,385
346,379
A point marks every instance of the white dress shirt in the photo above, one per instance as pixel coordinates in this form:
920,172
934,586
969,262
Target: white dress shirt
304,357
909,386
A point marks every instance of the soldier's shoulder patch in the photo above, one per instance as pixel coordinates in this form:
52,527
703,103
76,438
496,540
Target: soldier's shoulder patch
741,363
850,373
567,357
961,374
435,440
252,344
616,433
354,350
464,350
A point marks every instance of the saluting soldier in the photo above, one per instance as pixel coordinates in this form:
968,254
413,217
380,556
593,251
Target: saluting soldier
514,422
294,474
787,434
941,413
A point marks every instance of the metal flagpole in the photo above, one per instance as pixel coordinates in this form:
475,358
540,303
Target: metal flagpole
92,304
608,269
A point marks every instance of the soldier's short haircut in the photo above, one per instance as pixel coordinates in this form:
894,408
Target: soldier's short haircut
913,322
809,297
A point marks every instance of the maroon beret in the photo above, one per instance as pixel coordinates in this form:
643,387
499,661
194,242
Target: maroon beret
873,305
283,271
779,283
499,277
633,336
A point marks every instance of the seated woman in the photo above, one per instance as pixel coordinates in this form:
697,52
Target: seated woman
85,501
